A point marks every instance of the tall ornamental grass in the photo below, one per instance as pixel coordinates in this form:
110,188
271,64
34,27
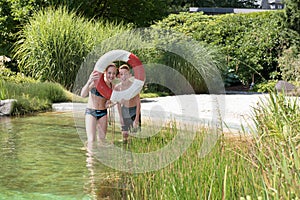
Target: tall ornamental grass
199,64
55,42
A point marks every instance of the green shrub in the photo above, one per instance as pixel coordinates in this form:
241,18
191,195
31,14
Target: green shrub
265,87
250,42
10,76
289,64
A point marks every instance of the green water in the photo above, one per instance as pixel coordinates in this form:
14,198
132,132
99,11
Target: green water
42,157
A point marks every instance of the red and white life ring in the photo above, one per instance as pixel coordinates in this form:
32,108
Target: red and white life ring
133,61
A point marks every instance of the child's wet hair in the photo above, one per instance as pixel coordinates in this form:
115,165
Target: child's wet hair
111,65
124,66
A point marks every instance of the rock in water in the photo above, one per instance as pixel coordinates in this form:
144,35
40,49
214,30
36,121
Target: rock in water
6,106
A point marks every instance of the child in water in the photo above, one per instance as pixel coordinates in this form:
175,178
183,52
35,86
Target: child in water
129,110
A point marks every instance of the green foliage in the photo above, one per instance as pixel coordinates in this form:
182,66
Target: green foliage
236,168
292,15
15,13
266,87
3,91
251,42
289,64
197,63
29,105
278,117
277,121
10,76
31,95
34,96
55,42
141,13
224,4
51,92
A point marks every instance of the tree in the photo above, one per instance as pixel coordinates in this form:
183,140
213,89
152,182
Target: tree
15,13
141,13
292,15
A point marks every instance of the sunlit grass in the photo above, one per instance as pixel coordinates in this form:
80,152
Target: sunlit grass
259,166
34,97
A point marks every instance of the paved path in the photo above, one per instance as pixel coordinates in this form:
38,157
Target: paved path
233,110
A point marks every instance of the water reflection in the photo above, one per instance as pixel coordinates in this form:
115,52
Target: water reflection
42,157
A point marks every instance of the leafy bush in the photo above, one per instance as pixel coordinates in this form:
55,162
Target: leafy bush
10,76
289,64
251,42
266,87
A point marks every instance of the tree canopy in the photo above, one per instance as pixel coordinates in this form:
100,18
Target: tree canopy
15,13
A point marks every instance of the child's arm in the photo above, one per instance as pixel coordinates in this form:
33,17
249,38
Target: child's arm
120,114
89,85
86,88
138,111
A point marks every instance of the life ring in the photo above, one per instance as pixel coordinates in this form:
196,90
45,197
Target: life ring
133,61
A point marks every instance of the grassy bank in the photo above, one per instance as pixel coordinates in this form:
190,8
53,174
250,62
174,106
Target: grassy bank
34,97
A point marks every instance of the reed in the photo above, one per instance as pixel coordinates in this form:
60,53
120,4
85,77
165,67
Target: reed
278,145
3,91
264,165
223,174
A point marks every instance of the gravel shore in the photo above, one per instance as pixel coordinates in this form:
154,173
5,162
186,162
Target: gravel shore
233,110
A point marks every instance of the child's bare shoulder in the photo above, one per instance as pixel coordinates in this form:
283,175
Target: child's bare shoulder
117,86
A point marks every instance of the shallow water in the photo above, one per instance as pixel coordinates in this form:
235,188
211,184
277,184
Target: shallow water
43,157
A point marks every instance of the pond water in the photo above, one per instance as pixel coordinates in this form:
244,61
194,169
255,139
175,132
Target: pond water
43,157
